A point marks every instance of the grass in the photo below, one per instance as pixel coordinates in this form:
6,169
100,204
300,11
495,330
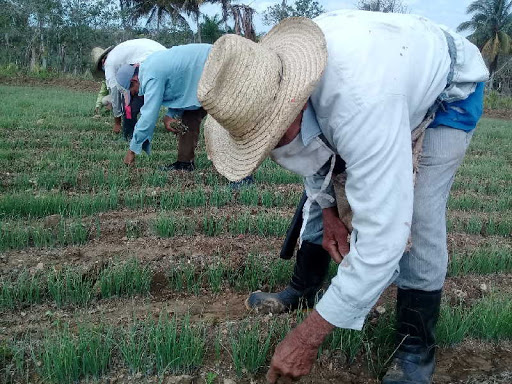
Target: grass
250,347
65,357
56,160
25,290
69,287
165,345
178,345
489,318
125,279
20,236
262,224
486,259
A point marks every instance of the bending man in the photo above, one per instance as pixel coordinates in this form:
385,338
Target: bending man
167,78
353,84
107,62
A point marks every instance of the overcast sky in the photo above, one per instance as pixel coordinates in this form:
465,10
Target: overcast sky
448,12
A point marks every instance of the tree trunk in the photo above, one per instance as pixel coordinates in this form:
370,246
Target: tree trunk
198,28
492,69
33,59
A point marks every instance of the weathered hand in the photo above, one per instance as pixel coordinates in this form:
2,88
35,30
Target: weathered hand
295,355
335,235
168,121
129,159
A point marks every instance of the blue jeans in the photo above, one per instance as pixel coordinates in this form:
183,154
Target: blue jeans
424,266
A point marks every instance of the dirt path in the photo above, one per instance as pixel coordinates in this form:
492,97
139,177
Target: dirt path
75,84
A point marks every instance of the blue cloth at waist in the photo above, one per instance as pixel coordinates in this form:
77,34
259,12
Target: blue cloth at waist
461,114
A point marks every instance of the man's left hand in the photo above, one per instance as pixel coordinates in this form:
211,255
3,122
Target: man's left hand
335,235
295,355
168,121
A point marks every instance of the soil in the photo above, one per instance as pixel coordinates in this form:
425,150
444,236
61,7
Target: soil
504,114
75,84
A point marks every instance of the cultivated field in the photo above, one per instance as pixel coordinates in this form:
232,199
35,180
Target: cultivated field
117,275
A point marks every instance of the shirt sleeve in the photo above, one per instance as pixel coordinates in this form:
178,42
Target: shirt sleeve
101,94
145,127
376,146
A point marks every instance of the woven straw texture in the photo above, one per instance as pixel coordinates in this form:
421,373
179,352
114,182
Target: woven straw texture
253,92
97,54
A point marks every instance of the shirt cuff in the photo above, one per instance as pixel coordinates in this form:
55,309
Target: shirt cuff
175,113
135,147
138,148
340,313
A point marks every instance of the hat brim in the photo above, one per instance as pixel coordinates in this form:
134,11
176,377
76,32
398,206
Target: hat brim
96,71
301,47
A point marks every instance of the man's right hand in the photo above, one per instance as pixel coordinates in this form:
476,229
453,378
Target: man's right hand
117,125
129,159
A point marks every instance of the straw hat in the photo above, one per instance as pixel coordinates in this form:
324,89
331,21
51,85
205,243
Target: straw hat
97,54
254,91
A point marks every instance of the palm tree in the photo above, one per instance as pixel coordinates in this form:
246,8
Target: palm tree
156,10
191,8
492,25
211,28
226,10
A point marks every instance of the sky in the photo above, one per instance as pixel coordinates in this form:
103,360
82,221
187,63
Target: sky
447,12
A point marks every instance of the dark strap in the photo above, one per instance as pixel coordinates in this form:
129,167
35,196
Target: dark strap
293,232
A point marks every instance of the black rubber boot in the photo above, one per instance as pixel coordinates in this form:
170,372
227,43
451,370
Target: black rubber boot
417,313
310,270
187,166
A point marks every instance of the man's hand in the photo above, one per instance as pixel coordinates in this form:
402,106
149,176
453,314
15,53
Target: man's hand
117,125
168,121
129,159
335,235
295,355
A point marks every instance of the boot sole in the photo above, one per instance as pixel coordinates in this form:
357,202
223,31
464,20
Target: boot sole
267,306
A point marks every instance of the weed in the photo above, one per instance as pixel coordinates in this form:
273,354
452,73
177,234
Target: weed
250,347
68,286
125,279
25,290
65,358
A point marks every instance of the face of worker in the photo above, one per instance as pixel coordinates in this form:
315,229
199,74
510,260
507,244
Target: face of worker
134,85
293,130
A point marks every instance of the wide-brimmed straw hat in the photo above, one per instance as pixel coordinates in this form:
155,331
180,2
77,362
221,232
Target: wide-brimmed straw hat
97,54
254,91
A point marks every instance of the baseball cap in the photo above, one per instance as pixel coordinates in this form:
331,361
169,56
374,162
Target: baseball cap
124,76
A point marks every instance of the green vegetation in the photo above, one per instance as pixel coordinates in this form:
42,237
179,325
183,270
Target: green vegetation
179,346
126,279
69,286
25,290
65,357
250,347
63,184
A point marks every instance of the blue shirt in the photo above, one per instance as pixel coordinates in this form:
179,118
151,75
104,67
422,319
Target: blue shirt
170,78
462,114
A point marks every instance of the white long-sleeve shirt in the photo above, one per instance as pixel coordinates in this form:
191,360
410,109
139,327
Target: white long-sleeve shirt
383,73
128,52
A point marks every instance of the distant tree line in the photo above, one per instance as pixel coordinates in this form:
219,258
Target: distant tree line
59,34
